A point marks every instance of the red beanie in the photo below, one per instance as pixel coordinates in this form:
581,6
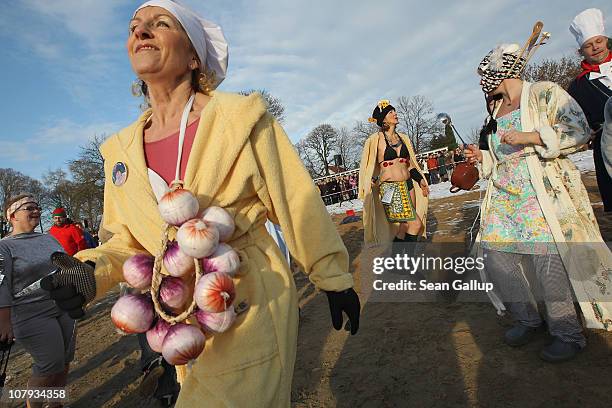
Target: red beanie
59,212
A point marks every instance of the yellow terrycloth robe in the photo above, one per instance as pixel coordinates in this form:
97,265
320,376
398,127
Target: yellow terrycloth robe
242,161
377,229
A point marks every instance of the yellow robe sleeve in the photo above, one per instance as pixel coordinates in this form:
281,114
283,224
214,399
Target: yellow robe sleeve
294,202
110,256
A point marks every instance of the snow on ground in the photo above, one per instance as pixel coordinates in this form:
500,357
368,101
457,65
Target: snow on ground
582,160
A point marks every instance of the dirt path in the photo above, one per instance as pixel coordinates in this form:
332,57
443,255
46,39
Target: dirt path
440,354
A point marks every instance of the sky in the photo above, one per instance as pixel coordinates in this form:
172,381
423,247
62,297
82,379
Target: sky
65,75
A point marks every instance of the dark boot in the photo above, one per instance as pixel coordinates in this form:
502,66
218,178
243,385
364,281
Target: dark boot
559,351
409,244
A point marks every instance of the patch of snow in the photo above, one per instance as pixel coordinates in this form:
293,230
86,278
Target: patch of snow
583,161
342,208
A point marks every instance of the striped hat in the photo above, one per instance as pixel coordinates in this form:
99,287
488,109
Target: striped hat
58,212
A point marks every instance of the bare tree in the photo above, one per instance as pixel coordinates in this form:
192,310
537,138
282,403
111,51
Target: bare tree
88,180
362,130
415,114
562,71
473,136
320,143
275,106
347,148
309,161
80,192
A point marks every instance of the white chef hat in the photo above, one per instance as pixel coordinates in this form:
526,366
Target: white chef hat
588,24
206,37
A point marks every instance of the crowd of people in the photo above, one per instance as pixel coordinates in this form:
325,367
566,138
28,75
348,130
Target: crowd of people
535,208
438,166
339,187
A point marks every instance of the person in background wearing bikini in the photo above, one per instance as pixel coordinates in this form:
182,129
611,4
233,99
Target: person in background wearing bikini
390,176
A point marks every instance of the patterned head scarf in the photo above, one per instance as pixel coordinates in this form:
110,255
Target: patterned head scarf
17,204
499,64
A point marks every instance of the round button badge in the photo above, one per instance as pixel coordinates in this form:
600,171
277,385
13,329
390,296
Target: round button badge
120,174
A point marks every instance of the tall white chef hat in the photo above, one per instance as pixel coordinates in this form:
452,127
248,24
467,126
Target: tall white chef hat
588,24
207,37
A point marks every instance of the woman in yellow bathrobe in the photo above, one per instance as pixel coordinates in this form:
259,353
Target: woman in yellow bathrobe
241,160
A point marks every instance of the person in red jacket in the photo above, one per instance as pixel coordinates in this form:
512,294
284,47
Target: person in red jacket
67,234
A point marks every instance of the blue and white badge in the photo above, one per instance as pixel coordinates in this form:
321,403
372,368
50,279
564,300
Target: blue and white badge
120,174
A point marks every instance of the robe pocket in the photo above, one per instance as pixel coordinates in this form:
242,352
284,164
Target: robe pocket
252,338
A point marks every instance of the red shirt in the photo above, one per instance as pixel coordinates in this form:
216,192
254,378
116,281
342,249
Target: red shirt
70,237
432,163
161,155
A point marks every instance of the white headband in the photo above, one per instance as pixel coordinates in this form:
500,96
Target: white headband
15,206
206,37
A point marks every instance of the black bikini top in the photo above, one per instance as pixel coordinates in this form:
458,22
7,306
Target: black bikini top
391,154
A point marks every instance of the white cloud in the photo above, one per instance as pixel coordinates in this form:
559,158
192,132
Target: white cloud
65,132
328,61
62,135
331,61
16,151
94,22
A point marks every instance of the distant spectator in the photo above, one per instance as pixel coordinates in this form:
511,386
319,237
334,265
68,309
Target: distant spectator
88,238
432,165
68,235
442,167
424,169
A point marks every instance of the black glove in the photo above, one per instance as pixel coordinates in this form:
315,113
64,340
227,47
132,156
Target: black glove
346,301
73,286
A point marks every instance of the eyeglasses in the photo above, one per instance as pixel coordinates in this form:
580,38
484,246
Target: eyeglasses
30,208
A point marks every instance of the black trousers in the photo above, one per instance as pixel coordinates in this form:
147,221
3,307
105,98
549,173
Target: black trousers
604,182
167,383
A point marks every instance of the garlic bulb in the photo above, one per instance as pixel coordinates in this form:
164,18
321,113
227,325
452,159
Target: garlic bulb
183,343
216,322
138,270
176,262
173,294
224,259
156,334
197,238
221,219
133,313
214,292
178,206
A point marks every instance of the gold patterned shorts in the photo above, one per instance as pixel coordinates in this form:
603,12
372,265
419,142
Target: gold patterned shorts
401,208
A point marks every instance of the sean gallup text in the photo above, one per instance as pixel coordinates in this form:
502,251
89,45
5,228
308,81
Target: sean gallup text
424,285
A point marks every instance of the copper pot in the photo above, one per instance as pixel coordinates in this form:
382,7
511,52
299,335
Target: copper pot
465,176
